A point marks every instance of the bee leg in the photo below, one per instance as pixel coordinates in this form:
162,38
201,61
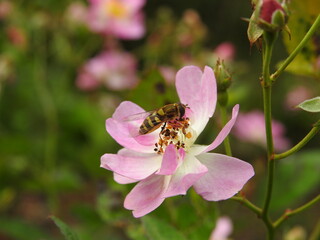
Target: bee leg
162,128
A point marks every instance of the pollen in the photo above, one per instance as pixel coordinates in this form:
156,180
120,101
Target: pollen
189,135
173,132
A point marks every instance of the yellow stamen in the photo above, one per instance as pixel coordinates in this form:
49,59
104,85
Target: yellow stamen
189,135
116,8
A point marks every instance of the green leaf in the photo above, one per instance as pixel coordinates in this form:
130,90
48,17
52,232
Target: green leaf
254,31
310,105
159,230
303,14
64,229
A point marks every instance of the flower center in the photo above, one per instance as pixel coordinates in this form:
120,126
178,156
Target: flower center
174,132
116,8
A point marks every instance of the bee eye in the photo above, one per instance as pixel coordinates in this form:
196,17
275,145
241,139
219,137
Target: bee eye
181,110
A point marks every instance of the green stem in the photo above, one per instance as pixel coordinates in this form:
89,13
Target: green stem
271,162
248,204
315,26
269,39
299,145
290,213
268,120
226,142
50,116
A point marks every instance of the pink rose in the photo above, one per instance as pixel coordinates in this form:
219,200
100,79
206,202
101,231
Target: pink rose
120,18
183,163
114,69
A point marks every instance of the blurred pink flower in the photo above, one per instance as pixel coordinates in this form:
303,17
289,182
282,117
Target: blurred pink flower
181,163
222,230
225,51
5,9
297,96
168,73
250,127
115,69
77,12
121,18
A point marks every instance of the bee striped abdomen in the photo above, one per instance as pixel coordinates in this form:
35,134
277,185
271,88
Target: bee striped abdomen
151,123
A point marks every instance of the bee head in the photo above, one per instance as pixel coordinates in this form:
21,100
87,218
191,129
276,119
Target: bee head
182,109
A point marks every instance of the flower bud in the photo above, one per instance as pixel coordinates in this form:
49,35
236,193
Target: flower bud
273,16
223,77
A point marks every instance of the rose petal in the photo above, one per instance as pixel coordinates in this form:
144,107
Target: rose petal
130,28
125,131
222,230
225,131
209,90
186,175
126,109
123,180
131,164
226,176
135,5
170,161
197,149
146,195
188,83
199,91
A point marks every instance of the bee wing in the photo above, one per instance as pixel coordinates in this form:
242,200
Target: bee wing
134,121
138,116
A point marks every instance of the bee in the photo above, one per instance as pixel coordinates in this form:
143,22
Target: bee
154,119
164,114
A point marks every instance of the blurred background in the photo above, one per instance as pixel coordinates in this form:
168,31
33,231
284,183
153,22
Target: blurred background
66,65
